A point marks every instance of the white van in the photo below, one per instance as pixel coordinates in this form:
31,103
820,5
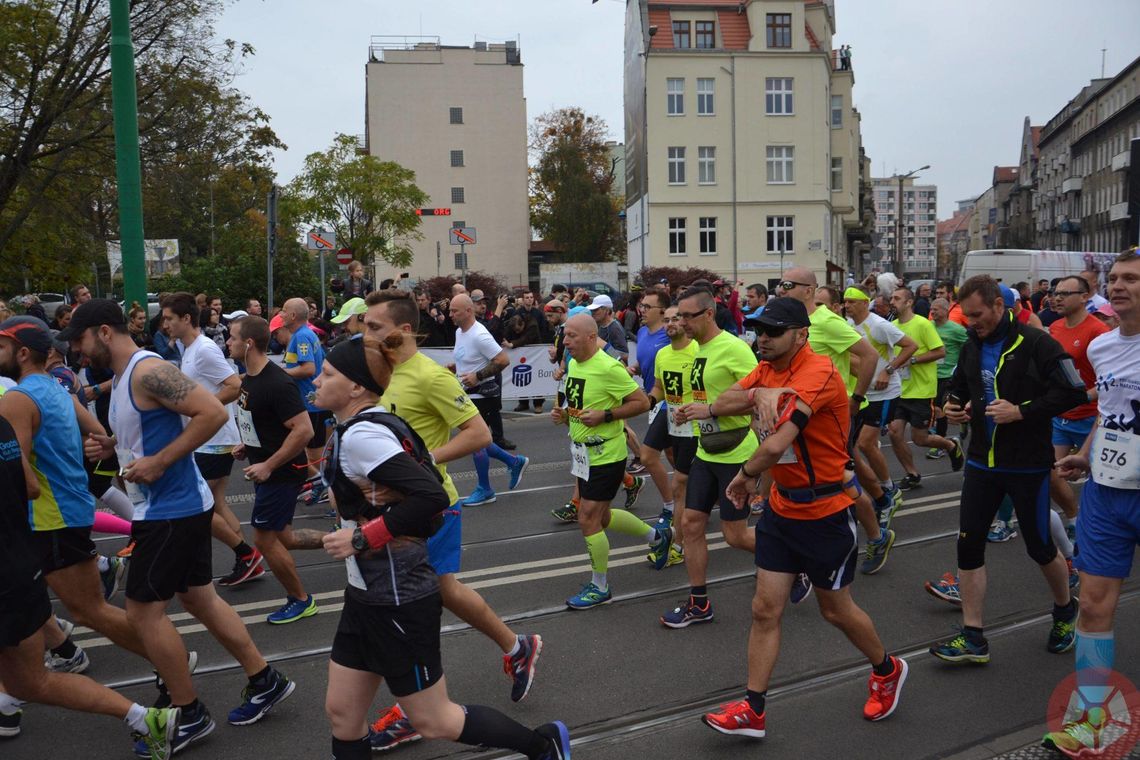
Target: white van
1012,266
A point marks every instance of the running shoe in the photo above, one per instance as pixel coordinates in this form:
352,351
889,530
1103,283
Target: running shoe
391,730
1074,576
520,666
559,737
191,728
294,610
687,613
162,727
910,481
635,467
665,519
479,497
894,502
957,458
758,505
77,663
935,453
10,724
875,555
1000,532
256,701
633,492
567,513
801,588
126,551
245,568
945,588
318,494
589,596
1062,634
736,718
112,576
660,546
676,556
885,690
961,649
1081,738
516,471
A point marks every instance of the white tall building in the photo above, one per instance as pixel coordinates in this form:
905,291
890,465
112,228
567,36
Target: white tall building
919,225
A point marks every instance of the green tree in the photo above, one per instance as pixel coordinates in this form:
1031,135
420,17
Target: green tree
370,204
571,200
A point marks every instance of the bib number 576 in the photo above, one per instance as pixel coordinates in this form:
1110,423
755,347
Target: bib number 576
1113,457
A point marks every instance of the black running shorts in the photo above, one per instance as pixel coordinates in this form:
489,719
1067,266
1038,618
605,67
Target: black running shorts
917,412
214,466
876,414
23,611
170,557
604,482
706,486
684,448
57,549
825,549
401,644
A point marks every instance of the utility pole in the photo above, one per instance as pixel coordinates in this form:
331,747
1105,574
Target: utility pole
271,244
898,263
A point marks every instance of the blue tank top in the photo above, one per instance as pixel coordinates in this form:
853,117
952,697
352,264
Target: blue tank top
181,491
57,458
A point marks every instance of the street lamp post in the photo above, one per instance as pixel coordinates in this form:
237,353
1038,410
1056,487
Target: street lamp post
898,268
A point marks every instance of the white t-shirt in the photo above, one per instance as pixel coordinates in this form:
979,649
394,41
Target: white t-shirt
473,350
204,363
1115,359
365,447
883,336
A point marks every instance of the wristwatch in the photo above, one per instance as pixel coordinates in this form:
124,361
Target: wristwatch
609,415
913,361
890,370
359,542
858,398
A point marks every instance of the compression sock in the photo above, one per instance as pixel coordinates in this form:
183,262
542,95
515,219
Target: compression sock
1060,537
631,525
483,468
105,523
598,547
495,452
487,727
118,502
357,749
242,550
66,650
1005,511
756,700
886,667
1096,653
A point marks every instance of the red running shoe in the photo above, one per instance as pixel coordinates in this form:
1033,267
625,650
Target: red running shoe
736,718
884,696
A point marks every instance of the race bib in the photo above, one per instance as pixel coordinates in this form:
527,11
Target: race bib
678,429
136,492
1115,459
355,577
579,461
788,457
245,428
709,426
653,412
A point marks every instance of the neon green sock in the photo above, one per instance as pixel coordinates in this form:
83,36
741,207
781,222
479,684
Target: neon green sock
598,546
629,524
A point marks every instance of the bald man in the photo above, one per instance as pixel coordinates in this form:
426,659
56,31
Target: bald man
304,358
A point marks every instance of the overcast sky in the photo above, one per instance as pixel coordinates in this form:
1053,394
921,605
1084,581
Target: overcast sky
938,82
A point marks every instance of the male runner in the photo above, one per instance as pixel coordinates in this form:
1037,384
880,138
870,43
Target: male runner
204,363
1108,529
304,358
810,525
599,395
1011,380
274,426
431,401
650,338
173,509
953,337
915,406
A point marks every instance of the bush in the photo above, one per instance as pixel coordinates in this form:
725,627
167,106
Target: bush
440,287
676,276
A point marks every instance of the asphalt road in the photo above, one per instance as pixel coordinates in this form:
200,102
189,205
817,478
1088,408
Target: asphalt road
627,686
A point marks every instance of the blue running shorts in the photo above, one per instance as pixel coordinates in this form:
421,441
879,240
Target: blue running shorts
1071,433
1108,530
443,548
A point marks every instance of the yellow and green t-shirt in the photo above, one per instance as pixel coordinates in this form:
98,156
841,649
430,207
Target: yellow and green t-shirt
431,401
673,371
600,382
922,381
831,336
719,364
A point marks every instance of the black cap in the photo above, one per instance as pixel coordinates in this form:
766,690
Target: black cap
781,312
30,332
94,313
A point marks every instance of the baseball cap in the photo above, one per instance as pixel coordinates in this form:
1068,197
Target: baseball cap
236,314
600,302
577,310
351,308
1007,296
855,294
95,313
784,312
1106,309
30,332
276,323
480,298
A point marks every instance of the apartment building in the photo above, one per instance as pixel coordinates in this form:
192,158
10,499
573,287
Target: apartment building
457,117
743,146
919,211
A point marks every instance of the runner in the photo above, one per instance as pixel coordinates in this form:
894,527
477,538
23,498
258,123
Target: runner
953,337
274,426
430,400
723,443
1010,382
304,358
204,363
1109,522
173,509
389,628
810,526
651,337
599,395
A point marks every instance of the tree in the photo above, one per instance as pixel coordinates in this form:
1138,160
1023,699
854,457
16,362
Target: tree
571,186
370,204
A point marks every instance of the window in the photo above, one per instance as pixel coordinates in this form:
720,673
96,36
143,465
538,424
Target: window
676,165
706,88
675,97
836,174
706,34
681,34
456,115
706,165
457,195
778,97
676,236
780,164
780,234
707,235
779,30
457,158
836,111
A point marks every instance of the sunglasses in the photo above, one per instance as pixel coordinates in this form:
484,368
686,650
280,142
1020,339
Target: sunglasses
790,284
772,332
694,315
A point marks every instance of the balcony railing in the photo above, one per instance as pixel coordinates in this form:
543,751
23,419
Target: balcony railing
1118,211
1122,160
1072,185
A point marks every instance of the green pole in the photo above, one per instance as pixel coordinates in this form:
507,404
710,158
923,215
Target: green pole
124,99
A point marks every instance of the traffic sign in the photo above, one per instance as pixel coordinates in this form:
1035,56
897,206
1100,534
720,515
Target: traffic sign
319,240
461,236
344,256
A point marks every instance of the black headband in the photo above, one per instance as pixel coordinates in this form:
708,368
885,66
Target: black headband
349,359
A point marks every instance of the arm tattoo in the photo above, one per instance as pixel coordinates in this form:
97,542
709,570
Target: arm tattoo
167,382
307,539
488,370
